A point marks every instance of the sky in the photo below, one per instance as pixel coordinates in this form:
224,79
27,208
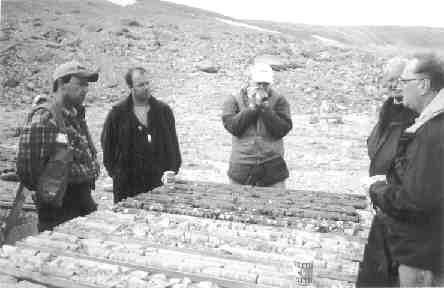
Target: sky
330,12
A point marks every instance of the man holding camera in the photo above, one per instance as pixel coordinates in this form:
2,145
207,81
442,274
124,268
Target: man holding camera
258,118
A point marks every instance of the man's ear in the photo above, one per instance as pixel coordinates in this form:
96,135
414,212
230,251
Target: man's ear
425,84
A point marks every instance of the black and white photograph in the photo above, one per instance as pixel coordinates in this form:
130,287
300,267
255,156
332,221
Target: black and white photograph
221,144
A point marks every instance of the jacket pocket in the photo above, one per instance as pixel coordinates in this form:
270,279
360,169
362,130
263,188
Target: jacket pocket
275,171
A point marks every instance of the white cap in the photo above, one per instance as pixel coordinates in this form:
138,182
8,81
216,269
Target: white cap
261,72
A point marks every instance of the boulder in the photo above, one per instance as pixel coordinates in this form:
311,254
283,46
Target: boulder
94,28
277,63
207,66
9,176
44,57
11,83
130,22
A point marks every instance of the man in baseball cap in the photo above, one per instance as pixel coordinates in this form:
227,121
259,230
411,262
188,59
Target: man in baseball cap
77,69
258,118
73,68
70,82
60,121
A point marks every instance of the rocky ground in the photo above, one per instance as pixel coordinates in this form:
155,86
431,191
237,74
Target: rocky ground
195,61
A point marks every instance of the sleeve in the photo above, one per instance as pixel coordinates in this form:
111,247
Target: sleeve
36,144
375,134
175,158
108,140
236,121
277,119
420,193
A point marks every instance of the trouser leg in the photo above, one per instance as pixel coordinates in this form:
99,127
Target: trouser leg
77,202
122,190
376,270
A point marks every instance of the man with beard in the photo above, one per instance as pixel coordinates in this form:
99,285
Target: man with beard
61,121
139,141
258,118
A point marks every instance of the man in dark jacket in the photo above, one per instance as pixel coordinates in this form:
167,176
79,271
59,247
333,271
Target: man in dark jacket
393,119
412,197
258,118
139,141
44,131
377,267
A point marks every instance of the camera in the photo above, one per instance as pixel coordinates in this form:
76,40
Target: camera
397,100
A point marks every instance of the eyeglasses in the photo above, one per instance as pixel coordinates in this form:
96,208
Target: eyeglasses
405,81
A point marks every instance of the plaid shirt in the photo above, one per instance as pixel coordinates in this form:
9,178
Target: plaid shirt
37,143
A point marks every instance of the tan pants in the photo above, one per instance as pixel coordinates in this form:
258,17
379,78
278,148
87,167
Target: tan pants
414,277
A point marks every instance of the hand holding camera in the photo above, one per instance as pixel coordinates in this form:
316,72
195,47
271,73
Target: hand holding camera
257,97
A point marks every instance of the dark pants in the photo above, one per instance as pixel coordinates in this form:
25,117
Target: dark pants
123,188
377,269
263,175
77,202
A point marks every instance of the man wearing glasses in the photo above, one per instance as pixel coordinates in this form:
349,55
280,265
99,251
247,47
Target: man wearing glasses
139,141
377,267
411,198
258,118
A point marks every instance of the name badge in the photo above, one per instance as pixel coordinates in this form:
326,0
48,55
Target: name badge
148,137
62,138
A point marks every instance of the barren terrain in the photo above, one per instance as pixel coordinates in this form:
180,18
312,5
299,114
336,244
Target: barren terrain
195,60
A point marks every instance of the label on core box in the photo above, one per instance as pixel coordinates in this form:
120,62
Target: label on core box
303,272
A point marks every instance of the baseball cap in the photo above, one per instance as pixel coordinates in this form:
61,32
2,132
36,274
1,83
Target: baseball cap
261,72
75,68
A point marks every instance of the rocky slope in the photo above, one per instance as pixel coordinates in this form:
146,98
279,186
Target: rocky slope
195,60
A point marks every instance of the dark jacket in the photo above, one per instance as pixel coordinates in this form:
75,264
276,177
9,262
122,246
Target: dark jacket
377,268
257,148
383,140
413,198
119,148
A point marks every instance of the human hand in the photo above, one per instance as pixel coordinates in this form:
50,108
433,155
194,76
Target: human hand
251,94
367,182
260,97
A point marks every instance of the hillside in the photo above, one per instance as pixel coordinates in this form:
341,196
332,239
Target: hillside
374,37
195,61
171,40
